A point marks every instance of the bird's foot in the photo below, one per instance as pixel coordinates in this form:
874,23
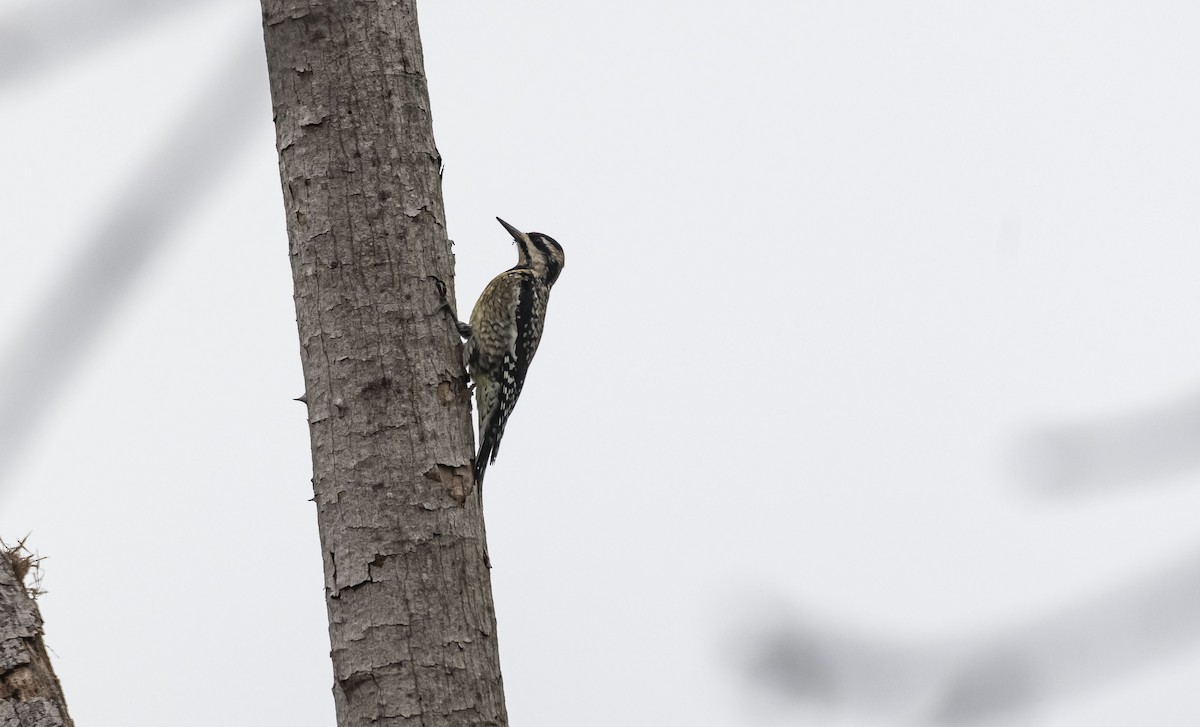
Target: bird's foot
464,329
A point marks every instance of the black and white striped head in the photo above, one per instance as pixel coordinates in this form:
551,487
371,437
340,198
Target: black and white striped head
540,253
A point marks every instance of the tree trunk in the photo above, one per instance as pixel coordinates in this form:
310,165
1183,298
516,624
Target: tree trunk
30,695
411,620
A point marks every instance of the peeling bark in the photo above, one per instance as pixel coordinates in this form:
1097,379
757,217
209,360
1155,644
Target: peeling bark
30,694
407,587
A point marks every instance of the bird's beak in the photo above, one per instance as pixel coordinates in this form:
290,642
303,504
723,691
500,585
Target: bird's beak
517,234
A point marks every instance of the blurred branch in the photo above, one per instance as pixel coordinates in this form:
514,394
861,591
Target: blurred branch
1111,636
70,318
45,34
1124,450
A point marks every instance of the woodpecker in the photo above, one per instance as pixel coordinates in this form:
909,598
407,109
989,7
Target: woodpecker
503,335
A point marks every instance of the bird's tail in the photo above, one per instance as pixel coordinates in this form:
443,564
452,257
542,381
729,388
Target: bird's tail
481,463
489,444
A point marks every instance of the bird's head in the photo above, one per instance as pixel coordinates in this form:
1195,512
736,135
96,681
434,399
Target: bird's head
540,253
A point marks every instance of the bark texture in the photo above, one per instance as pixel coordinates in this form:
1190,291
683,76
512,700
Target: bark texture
411,620
30,694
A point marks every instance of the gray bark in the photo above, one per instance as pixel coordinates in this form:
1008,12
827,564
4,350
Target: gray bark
30,694
407,588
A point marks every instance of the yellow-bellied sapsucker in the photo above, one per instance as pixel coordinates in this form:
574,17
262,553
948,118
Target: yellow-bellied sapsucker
505,329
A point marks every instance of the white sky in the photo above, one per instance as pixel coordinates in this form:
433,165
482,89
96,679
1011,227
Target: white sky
831,268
